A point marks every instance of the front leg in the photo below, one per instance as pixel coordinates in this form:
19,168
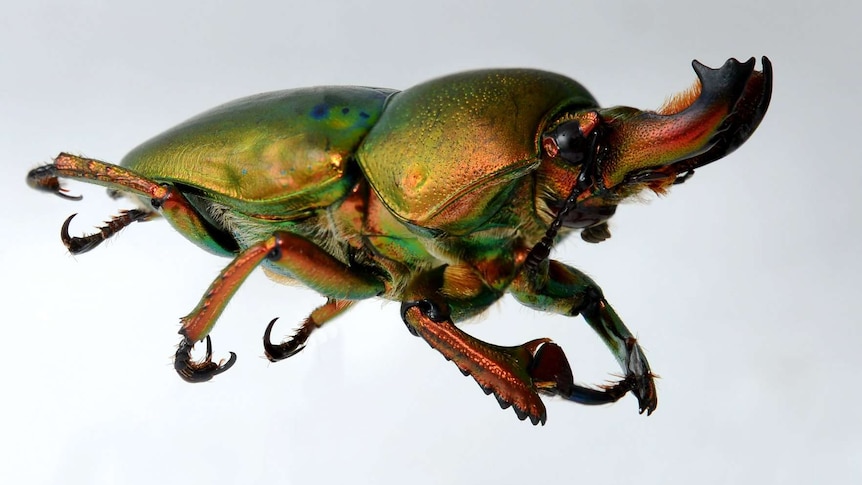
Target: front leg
515,375
564,290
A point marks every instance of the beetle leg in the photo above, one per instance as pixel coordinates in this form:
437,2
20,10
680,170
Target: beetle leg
304,260
515,375
322,314
564,290
502,371
428,309
201,371
47,177
198,323
78,245
552,374
163,197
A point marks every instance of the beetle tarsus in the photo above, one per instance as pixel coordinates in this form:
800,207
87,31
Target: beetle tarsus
294,344
202,371
639,379
45,178
289,347
552,374
78,245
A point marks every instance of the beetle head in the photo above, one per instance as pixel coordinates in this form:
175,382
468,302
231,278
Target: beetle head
620,151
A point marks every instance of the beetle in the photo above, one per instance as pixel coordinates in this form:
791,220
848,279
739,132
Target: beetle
444,197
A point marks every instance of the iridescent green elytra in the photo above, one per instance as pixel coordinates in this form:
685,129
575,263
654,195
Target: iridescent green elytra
444,197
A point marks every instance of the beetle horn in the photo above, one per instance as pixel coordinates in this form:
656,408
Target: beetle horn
695,128
629,148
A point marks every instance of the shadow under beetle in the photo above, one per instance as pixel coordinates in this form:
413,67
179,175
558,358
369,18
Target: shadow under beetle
444,197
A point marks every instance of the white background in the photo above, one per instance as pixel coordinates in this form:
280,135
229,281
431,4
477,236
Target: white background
742,284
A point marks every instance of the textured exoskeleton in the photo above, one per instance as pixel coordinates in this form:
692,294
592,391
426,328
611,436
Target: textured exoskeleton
444,197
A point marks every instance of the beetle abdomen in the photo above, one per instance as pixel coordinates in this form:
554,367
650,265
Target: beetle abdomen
274,155
445,153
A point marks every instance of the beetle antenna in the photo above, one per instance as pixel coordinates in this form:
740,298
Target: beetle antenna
542,249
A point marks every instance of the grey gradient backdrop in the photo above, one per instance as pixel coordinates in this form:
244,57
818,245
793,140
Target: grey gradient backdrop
742,284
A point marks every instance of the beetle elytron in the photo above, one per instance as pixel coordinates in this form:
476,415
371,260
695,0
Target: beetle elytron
443,196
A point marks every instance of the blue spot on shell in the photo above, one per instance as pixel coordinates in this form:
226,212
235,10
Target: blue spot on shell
320,111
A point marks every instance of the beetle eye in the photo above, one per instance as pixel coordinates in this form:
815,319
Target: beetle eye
570,141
